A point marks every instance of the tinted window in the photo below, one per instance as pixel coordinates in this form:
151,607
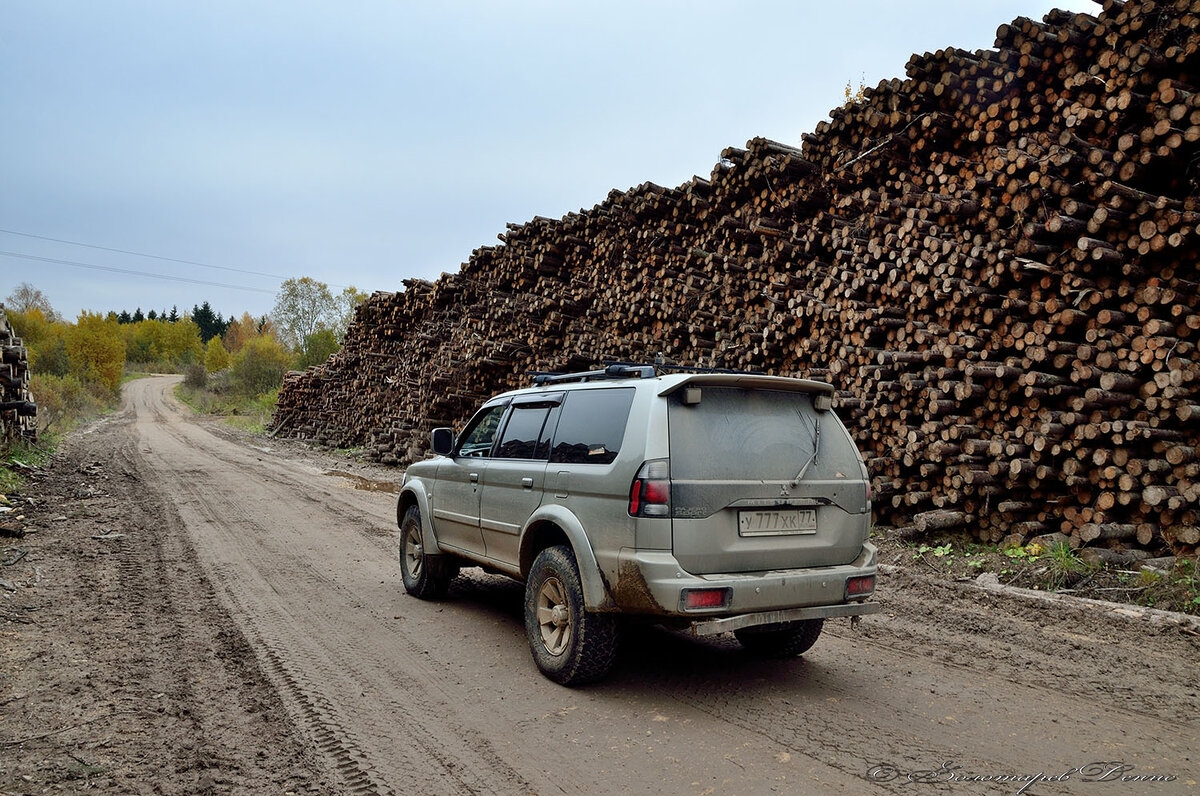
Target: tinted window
591,426
543,446
746,434
521,433
477,441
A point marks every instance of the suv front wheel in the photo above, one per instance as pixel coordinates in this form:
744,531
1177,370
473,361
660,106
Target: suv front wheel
570,645
425,576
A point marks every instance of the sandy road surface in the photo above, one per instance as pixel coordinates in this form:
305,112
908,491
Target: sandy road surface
387,694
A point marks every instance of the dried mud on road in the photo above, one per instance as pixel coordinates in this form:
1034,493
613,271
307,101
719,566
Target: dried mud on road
122,673
195,611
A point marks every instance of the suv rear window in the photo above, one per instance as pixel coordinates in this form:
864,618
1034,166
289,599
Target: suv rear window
747,434
521,433
591,426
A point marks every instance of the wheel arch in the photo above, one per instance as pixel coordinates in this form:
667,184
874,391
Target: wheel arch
556,526
413,494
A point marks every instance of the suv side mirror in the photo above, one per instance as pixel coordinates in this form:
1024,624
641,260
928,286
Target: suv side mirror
442,441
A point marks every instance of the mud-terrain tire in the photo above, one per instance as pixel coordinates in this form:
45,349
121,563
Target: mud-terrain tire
425,575
570,645
785,640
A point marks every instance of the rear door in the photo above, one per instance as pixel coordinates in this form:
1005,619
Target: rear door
516,474
586,475
761,480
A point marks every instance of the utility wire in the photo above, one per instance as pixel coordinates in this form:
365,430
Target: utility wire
110,269
150,256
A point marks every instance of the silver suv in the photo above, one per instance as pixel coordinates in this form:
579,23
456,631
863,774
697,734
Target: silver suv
715,501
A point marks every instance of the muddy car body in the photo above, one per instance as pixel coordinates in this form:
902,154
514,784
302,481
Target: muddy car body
711,500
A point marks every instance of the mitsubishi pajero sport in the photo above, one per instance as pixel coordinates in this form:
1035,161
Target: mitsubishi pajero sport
716,501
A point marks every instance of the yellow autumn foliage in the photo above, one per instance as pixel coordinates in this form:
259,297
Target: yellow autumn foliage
96,349
215,356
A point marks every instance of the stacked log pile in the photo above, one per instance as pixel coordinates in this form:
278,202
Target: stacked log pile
17,407
993,260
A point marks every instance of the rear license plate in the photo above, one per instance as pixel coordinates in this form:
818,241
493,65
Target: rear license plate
777,522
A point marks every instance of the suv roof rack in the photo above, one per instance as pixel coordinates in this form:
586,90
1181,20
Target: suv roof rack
668,368
617,370
630,370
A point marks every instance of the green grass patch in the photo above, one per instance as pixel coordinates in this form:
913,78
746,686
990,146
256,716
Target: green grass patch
132,375
23,454
1056,567
249,413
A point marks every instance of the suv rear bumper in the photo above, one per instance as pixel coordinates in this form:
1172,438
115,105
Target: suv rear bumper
710,627
772,592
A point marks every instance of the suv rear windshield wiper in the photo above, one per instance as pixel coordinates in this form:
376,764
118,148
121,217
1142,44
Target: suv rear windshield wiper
816,448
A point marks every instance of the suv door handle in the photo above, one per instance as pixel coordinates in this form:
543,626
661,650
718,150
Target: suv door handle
527,483
474,478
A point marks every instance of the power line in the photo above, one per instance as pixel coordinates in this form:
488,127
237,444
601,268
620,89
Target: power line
137,254
150,256
111,269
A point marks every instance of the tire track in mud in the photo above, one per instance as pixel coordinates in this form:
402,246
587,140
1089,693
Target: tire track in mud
323,726
344,759
328,667
1094,658
131,633
858,715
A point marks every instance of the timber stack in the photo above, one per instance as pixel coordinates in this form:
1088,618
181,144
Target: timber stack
994,261
17,408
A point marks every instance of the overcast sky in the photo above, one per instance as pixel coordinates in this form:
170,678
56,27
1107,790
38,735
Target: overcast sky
363,142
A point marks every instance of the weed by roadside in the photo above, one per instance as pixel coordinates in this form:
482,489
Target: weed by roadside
246,391
65,401
247,412
1055,568
133,375
22,456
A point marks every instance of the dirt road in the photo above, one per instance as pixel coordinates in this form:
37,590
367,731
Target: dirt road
248,633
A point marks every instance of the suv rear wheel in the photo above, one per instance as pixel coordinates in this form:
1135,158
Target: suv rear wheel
425,576
570,645
785,640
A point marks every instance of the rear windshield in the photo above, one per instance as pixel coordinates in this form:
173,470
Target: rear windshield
739,434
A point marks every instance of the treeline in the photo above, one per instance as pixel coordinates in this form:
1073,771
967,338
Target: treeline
77,367
211,323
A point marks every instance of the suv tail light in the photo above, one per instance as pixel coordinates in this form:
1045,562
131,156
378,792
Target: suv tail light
650,492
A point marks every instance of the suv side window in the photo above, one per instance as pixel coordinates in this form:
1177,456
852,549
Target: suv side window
521,432
591,426
476,442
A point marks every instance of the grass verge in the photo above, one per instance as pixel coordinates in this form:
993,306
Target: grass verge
1057,568
63,403
18,458
249,413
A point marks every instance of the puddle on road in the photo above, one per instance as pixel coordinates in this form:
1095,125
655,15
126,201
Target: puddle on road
365,484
